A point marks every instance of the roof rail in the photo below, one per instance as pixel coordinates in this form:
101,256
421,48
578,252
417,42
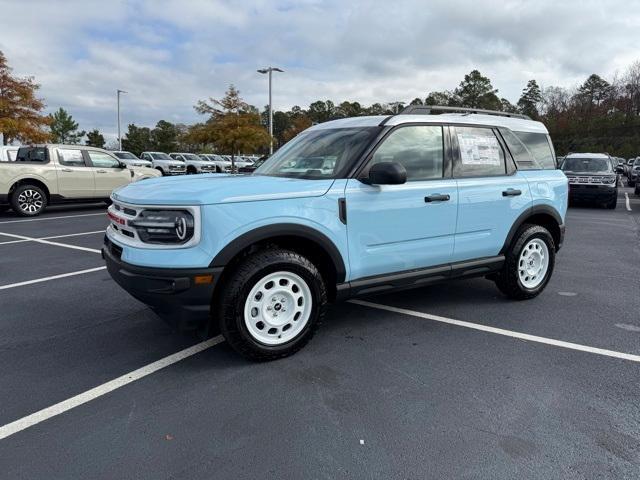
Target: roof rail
427,109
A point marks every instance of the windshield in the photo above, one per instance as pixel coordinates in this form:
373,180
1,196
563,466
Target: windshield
636,163
586,165
191,156
160,156
126,155
319,154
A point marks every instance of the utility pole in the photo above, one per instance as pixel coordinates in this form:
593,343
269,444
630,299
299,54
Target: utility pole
269,70
118,92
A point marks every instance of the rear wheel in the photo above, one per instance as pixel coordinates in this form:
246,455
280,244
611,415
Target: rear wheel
528,263
28,200
272,304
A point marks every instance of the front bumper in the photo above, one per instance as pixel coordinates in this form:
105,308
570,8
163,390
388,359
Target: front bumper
172,293
600,193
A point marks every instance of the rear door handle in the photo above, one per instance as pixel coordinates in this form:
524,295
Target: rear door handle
436,198
511,192
101,171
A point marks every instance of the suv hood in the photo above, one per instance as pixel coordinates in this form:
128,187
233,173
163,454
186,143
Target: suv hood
218,188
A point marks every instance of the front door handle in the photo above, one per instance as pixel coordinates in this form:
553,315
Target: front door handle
436,198
67,170
511,192
101,171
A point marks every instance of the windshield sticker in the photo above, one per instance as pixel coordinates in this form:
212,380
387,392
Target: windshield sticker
479,149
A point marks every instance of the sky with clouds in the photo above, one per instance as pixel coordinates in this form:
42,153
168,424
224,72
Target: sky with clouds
167,54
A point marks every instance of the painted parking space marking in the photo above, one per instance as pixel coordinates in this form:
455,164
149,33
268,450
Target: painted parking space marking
51,238
47,242
53,277
501,331
42,219
626,200
73,402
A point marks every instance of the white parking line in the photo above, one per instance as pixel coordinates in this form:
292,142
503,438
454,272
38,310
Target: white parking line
47,242
501,331
42,219
51,238
54,277
626,199
73,402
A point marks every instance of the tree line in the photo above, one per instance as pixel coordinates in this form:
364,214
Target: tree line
597,115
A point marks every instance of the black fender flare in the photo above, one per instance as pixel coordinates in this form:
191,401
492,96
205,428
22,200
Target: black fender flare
524,216
266,232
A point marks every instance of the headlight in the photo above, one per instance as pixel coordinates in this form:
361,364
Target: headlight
164,226
609,180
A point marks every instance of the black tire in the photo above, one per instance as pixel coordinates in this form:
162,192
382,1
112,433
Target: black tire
32,207
160,170
637,190
231,303
107,202
508,280
191,171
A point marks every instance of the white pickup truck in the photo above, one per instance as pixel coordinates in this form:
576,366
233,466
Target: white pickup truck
44,174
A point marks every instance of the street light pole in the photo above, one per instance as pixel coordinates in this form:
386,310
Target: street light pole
119,136
270,70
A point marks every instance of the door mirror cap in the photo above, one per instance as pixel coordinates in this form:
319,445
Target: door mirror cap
386,173
619,169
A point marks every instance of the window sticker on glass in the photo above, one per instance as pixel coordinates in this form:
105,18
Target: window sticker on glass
479,149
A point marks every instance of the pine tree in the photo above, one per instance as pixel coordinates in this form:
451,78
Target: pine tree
95,139
64,129
530,99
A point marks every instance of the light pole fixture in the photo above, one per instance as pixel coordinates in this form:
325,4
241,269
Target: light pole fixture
269,70
118,92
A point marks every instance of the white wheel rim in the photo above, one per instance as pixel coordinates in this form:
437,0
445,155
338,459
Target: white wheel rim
30,201
278,308
533,263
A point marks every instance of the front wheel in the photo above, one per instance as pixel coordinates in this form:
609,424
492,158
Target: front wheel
613,203
528,263
272,304
28,200
637,190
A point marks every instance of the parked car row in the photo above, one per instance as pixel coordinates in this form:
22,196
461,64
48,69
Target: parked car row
35,176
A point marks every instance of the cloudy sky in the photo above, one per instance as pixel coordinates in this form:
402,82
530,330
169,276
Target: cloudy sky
169,53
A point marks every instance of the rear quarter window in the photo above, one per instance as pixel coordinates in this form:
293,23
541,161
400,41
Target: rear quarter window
32,155
540,148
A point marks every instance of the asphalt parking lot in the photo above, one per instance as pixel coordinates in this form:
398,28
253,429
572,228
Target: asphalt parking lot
394,388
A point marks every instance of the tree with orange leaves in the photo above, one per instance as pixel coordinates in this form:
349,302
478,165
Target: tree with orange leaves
20,110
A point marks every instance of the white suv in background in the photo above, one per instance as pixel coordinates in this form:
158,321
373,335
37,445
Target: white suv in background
194,163
164,163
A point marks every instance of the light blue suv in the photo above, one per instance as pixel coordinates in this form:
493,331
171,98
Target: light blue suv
349,207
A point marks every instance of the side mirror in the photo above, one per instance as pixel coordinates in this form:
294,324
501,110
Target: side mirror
386,173
619,169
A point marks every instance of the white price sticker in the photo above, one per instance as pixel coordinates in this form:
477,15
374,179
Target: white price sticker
479,149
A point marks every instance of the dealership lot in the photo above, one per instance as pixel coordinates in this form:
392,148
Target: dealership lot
382,391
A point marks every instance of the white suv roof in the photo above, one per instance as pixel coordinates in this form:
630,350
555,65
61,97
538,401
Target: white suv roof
514,123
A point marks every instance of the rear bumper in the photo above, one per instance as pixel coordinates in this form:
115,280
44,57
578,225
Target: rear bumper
172,293
592,192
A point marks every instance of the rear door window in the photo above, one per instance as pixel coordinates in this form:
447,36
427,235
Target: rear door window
71,157
479,153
